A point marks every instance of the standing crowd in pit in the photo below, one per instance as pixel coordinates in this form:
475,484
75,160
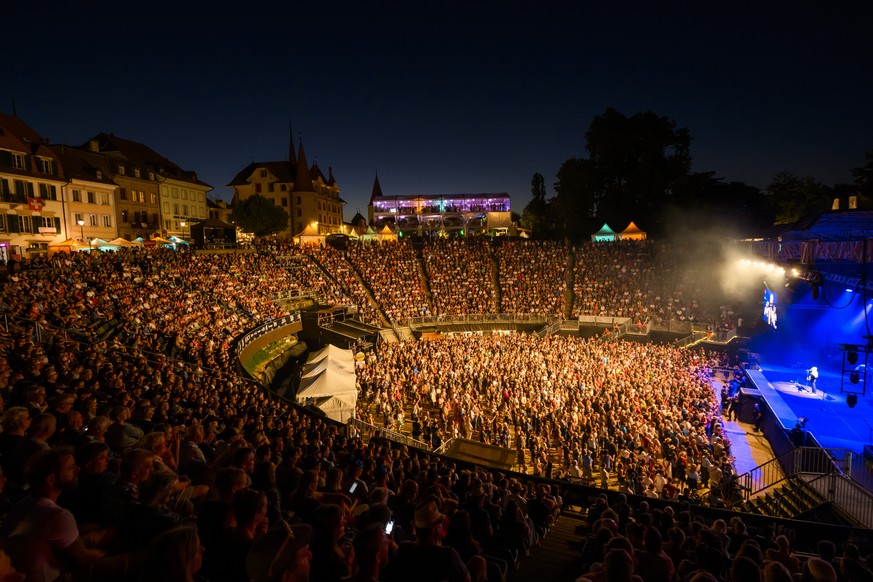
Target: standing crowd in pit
644,415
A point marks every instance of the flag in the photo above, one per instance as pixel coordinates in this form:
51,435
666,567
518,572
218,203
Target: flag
35,204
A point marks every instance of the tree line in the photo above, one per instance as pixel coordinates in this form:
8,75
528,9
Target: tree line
639,168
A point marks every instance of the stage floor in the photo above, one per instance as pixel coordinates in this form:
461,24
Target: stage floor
830,419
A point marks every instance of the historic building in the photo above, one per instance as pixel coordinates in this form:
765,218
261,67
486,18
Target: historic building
155,196
443,213
303,192
89,195
31,180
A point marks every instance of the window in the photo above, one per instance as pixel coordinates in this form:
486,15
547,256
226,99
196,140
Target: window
4,187
136,173
283,187
124,216
284,202
122,171
99,174
258,187
104,199
48,191
23,188
299,213
154,217
153,197
152,176
77,217
122,194
175,192
92,219
17,161
92,198
136,218
107,220
269,186
184,195
263,173
46,166
184,210
298,201
175,209
77,196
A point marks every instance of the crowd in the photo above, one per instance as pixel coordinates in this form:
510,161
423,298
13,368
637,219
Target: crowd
130,450
461,274
391,271
533,277
642,415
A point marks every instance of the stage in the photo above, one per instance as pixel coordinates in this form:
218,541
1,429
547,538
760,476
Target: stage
829,418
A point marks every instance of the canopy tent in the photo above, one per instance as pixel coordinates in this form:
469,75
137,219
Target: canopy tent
316,368
605,234
369,234
339,408
329,383
179,241
332,352
632,232
70,245
122,242
386,234
310,235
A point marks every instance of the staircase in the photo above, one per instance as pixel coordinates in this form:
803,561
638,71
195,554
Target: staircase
558,557
808,483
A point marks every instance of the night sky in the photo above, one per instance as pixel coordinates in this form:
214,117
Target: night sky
443,97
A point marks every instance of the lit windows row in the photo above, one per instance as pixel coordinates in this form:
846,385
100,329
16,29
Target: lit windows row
91,197
93,219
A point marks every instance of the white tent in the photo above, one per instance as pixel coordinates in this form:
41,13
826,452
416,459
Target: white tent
328,383
316,368
334,353
339,407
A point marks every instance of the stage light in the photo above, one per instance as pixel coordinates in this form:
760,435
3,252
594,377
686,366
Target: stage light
854,378
795,273
852,356
849,290
852,400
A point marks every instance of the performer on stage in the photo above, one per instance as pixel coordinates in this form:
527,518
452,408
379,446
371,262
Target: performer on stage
811,377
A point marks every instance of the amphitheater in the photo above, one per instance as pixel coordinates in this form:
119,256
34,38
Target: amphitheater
578,386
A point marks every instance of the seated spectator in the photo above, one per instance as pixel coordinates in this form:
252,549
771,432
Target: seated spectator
175,554
371,554
426,559
225,561
42,537
121,499
35,441
782,554
281,555
330,562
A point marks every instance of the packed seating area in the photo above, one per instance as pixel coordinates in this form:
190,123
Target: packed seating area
461,273
131,450
532,277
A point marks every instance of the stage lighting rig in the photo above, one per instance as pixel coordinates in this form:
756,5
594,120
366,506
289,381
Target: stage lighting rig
855,372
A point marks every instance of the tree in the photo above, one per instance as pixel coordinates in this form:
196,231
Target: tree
864,176
790,197
535,214
259,216
633,165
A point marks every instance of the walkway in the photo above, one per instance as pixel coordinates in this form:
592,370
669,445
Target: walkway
558,557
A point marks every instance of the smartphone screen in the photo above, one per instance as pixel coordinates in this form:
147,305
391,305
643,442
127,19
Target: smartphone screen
353,487
389,527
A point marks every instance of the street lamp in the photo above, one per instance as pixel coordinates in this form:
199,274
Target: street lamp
183,229
81,224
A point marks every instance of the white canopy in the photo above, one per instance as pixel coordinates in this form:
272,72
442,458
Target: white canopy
330,382
339,408
334,353
316,368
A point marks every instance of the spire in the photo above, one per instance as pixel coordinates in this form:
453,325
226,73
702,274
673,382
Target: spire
303,180
291,157
377,189
330,179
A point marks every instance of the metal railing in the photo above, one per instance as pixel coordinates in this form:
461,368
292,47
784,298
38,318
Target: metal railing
373,431
855,501
466,318
808,460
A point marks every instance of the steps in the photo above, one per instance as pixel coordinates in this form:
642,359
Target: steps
558,556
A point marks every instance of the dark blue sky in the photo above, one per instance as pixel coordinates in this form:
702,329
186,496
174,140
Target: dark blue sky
444,97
